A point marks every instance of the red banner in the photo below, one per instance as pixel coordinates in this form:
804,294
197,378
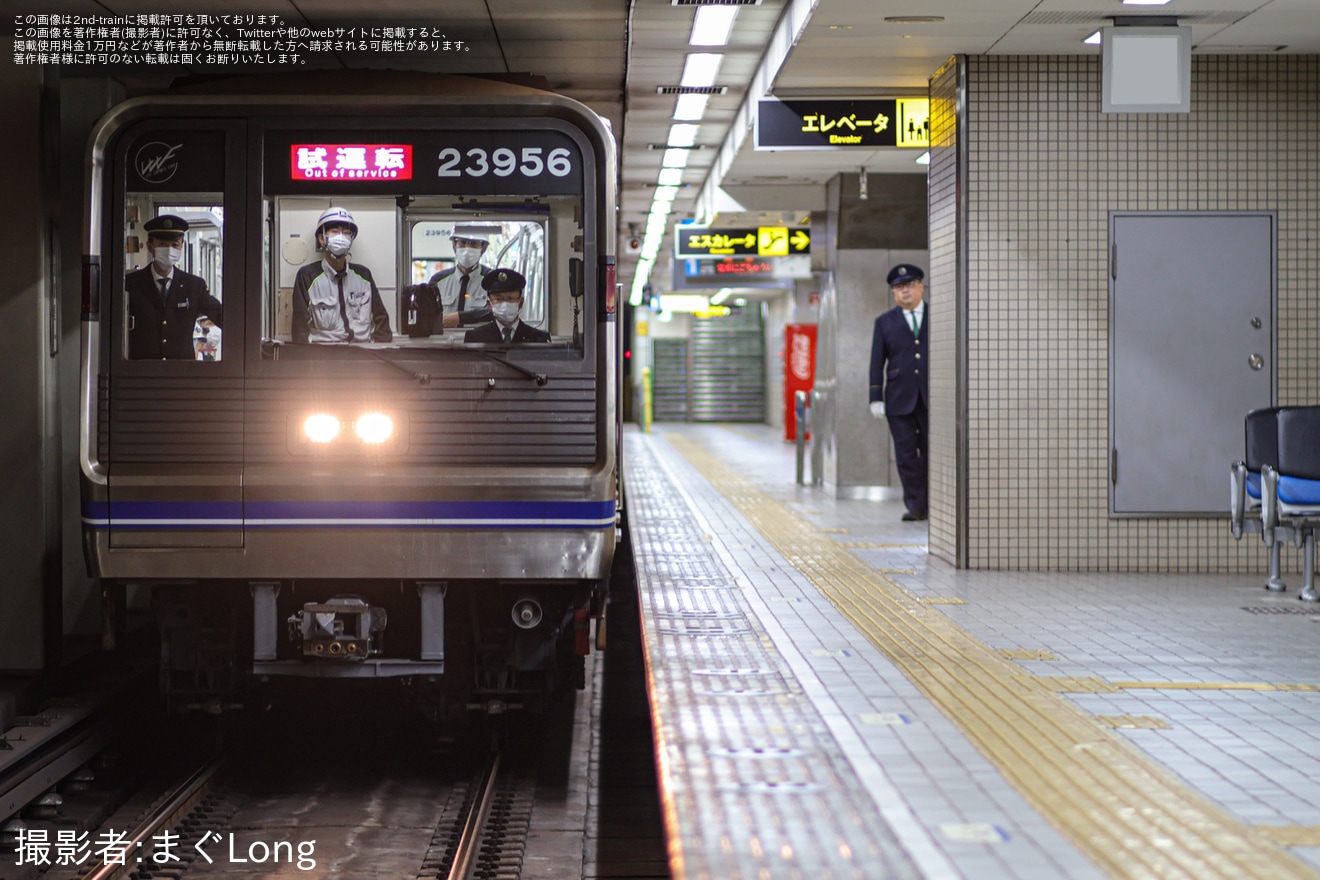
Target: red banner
799,370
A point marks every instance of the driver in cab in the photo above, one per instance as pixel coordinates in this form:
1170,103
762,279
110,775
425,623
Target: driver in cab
504,287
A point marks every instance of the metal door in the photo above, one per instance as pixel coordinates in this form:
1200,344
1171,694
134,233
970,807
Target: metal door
1191,351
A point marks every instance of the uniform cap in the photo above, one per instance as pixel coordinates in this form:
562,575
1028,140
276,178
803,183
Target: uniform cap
336,215
502,279
166,226
903,273
475,233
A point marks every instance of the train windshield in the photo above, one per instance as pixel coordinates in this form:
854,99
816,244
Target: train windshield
427,240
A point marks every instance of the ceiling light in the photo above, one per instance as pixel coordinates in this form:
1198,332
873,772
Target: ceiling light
700,70
685,302
690,108
1093,40
683,134
924,158
712,24
665,193
917,19
1144,2
675,159
671,177
721,295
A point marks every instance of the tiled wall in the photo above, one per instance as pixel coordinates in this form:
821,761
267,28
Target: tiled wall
1044,167
946,517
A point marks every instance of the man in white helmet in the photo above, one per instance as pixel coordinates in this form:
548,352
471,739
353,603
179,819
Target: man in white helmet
336,300
463,301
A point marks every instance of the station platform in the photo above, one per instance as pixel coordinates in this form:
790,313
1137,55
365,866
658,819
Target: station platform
831,702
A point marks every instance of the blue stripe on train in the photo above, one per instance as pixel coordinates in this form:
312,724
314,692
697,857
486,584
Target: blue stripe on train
373,514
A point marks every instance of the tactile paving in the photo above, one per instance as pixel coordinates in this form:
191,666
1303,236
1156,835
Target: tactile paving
754,784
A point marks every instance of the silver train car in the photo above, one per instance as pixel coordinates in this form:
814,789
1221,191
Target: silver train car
326,465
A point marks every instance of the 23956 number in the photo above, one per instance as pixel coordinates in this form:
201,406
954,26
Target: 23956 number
502,162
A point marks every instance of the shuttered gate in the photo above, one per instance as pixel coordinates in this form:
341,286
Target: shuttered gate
669,386
728,368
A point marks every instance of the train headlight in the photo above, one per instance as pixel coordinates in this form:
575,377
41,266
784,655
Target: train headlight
321,428
374,427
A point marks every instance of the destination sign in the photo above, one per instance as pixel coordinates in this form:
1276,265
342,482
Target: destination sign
763,241
830,123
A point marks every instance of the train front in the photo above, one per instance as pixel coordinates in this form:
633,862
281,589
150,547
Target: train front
349,384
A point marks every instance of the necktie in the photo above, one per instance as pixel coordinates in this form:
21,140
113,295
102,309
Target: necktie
508,334
462,292
164,289
343,307
916,327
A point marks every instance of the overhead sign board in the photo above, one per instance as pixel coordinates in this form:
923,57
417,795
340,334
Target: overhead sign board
831,124
763,241
704,274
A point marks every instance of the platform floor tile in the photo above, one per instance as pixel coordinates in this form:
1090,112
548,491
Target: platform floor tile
1161,679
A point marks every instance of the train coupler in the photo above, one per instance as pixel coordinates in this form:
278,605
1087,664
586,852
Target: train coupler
344,628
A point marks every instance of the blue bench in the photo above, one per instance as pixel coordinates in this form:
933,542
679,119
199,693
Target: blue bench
1262,436
1290,492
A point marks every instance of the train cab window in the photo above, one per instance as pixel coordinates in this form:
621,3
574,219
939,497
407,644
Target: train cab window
173,288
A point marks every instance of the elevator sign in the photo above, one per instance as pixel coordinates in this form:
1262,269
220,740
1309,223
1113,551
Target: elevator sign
763,241
830,124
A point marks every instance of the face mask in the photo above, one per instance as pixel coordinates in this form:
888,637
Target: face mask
166,256
337,243
467,257
505,313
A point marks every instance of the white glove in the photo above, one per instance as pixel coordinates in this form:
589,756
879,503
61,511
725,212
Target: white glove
878,409
213,336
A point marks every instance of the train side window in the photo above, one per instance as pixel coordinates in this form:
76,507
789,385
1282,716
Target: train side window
173,293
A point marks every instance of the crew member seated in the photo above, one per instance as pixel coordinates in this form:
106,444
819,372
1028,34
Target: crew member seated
505,289
163,300
336,300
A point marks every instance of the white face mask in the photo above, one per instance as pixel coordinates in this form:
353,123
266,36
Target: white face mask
505,313
166,257
467,257
337,243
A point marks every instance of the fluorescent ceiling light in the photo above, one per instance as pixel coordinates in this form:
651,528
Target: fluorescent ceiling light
712,24
721,295
700,70
1144,2
665,193
1093,40
690,108
683,134
675,159
924,158
672,176
685,302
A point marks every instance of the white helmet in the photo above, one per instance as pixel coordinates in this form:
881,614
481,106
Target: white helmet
336,215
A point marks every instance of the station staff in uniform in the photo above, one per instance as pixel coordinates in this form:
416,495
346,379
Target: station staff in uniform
505,289
164,301
335,300
463,300
899,383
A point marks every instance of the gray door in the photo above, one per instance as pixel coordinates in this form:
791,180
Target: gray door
1191,352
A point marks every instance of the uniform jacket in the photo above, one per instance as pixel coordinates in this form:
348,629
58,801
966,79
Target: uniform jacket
475,309
899,362
165,330
491,332
319,314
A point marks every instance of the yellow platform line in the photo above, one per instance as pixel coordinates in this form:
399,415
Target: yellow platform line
1129,814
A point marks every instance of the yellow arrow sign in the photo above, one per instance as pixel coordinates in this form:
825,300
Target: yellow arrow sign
800,241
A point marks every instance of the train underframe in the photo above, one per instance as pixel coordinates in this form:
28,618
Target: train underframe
457,647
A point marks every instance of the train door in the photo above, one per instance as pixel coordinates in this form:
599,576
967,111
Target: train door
171,370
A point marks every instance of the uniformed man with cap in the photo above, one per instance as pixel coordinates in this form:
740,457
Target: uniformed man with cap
164,302
335,300
504,287
899,361
463,301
